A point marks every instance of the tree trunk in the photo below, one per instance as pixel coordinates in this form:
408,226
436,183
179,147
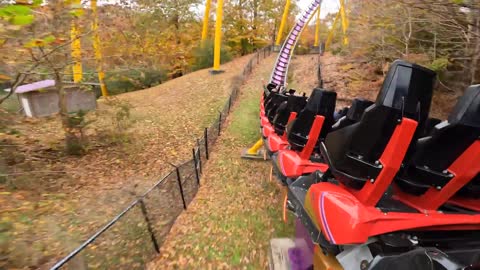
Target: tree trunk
474,70
407,34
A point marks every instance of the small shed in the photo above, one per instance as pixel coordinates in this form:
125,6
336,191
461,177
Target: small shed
42,99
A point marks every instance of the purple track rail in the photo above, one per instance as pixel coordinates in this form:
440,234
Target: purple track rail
280,70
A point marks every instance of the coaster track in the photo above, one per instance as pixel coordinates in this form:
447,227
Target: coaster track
280,69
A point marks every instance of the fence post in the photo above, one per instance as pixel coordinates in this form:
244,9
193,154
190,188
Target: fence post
195,165
230,102
258,57
264,53
179,180
219,122
149,225
205,136
199,156
319,76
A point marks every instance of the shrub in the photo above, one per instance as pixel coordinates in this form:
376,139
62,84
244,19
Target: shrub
75,133
203,55
439,64
243,45
119,122
119,82
302,49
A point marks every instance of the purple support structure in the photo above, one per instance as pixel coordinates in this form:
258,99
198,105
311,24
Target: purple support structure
301,257
285,54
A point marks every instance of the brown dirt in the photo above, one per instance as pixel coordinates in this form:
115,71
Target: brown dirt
304,73
352,78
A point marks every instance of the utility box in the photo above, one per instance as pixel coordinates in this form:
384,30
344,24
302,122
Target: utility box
42,99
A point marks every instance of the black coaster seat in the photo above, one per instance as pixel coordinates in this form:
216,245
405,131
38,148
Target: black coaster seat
353,151
340,113
446,142
294,103
271,86
430,125
322,103
353,114
274,101
268,91
472,189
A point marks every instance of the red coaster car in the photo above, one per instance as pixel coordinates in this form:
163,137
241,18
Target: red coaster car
402,77
312,123
275,138
391,197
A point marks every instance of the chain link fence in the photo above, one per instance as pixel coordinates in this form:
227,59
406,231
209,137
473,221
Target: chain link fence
134,236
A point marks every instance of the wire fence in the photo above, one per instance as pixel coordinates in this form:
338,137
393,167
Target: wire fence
135,235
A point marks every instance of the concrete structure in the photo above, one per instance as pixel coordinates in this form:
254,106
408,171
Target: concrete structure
42,99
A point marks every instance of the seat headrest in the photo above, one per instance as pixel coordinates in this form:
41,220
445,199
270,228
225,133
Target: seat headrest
408,87
271,86
467,110
357,108
295,98
321,101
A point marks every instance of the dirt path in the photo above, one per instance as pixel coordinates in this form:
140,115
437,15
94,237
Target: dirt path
237,209
49,202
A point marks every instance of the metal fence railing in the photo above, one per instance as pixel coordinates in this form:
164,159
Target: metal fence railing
135,235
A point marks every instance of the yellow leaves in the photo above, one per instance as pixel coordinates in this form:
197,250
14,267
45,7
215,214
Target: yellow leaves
76,12
42,42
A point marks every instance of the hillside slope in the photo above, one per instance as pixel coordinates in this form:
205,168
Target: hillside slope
56,201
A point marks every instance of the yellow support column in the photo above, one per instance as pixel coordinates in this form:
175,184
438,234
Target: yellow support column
344,21
218,38
206,16
332,31
254,149
278,41
310,18
255,152
317,28
76,46
97,48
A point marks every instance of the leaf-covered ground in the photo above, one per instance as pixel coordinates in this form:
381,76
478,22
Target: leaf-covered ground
50,202
237,209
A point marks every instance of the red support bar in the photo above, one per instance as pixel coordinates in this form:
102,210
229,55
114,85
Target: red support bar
312,137
391,160
291,117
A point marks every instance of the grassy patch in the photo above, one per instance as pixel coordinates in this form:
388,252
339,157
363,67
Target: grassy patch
237,210
245,125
